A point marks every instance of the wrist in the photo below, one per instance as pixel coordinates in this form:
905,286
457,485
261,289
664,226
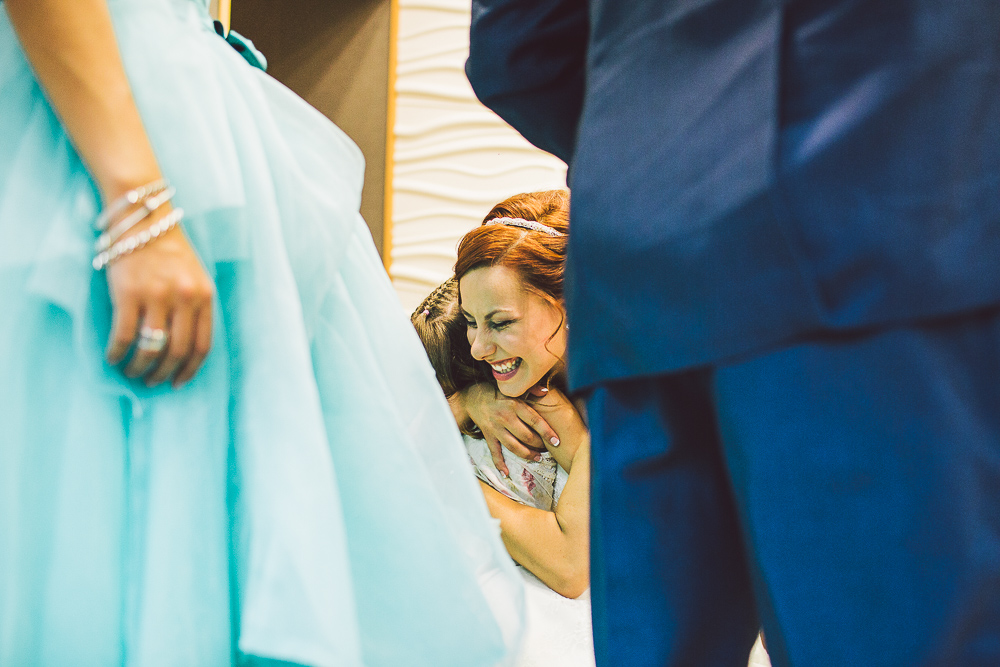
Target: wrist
125,162
457,404
113,186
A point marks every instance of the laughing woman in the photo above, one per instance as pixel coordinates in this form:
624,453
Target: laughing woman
496,337
498,332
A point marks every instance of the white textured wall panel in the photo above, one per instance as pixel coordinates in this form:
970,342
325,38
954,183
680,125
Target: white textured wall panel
453,159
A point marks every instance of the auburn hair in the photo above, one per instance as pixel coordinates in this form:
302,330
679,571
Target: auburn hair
537,257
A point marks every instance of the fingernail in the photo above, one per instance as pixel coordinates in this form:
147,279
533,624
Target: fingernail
543,389
504,474
554,441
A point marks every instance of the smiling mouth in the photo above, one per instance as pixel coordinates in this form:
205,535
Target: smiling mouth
505,370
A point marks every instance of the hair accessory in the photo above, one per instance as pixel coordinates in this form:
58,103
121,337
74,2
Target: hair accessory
138,241
128,199
151,340
149,204
526,224
426,312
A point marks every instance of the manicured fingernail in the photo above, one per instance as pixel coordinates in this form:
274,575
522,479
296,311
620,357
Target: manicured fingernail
543,389
554,441
504,474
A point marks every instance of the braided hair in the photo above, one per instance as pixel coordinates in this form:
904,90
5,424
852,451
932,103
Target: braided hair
442,329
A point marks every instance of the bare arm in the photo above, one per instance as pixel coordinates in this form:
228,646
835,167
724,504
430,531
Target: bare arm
458,410
563,416
552,545
72,49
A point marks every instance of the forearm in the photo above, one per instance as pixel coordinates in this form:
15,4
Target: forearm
562,416
72,49
457,404
552,545
570,441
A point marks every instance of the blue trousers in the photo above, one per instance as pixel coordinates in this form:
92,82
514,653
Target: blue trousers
842,492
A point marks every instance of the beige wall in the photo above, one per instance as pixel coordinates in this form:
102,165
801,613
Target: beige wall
219,9
453,159
336,56
450,159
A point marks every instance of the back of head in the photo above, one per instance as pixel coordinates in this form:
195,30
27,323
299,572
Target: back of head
441,328
538,257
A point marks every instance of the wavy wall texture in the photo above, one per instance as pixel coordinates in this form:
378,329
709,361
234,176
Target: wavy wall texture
453,158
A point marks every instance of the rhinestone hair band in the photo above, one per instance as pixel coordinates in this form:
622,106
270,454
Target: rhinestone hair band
526,224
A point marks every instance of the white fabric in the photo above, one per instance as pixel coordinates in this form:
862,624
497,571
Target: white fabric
530,483
758,656
558,630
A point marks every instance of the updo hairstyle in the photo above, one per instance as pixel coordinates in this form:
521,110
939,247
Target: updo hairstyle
538,258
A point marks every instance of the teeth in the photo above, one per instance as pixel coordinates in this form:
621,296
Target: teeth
506,367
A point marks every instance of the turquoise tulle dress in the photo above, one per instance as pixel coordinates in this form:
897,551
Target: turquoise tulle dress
306,499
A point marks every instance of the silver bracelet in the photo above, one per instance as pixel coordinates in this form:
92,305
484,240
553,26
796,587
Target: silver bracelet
149,204
138,241
128,199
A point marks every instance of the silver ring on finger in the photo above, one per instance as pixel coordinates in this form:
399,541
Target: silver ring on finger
151,340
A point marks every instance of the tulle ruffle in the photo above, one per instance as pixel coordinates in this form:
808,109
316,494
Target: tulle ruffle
306,498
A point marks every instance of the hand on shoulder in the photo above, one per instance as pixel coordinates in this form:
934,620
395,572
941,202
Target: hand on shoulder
505,422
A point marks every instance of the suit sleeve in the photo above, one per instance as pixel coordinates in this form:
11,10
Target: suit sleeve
526,63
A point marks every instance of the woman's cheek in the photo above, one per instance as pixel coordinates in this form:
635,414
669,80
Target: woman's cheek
508,343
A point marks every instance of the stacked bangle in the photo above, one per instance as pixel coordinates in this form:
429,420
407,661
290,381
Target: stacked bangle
149,204
141,240
110,245
130,198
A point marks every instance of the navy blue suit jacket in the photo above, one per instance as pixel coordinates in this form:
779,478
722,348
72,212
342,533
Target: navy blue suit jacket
746,172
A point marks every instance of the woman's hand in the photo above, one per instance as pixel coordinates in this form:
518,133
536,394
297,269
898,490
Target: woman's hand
563,416
163,287
507,423
74,54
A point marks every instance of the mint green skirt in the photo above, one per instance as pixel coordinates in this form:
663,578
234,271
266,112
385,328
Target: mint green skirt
307,497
